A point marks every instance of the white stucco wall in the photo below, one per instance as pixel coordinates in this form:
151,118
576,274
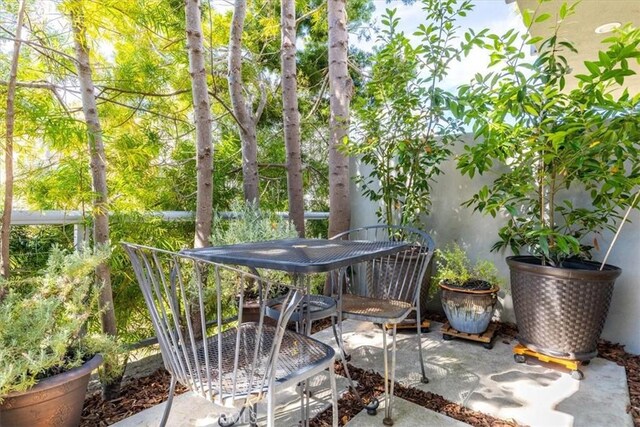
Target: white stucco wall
451,222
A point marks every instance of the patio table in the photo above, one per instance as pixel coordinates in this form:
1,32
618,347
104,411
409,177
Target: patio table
300,257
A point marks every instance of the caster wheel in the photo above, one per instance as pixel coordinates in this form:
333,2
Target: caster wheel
447,337
387,422
519,358
425,330
372,412
577,375
488,345
424,380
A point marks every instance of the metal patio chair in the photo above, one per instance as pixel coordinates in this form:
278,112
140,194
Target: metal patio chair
196,311
385,291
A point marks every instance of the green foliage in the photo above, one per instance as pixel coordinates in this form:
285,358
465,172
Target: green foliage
251,225
454,268
405,122
30,246
132,315
42,321
544,139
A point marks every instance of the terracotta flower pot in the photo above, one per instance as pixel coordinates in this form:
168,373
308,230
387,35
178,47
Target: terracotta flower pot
55,401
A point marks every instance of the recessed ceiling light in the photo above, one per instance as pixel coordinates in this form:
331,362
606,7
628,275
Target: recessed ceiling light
608,27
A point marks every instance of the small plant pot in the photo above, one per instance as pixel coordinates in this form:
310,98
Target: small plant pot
469,310
55,401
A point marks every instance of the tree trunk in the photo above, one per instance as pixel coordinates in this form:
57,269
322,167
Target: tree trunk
291,115
98,177
5,235
241,110
341,88
204,139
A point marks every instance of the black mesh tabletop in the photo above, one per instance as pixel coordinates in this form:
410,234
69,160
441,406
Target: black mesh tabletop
298,255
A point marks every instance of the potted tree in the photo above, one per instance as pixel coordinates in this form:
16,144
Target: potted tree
469,292
404,126
568,166
46,355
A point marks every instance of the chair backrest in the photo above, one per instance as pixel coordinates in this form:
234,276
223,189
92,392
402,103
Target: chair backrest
400,276
196,307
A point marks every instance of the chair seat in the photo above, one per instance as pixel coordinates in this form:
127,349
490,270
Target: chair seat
297,354
320,307
374,309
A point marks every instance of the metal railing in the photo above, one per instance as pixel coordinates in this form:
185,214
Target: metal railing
81,232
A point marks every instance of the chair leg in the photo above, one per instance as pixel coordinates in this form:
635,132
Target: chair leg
385,354
334,395
302,391
424,379
388,410
271,406
373,405
167,409
253,415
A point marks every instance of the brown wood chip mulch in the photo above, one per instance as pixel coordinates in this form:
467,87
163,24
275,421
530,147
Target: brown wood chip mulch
371,384
137,395
142,393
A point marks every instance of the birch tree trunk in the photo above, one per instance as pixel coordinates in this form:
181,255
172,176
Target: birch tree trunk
98,178
202,112
340,87
241,109
291,115
5,234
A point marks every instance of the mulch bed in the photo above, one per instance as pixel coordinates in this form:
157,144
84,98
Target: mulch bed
371,384
137,395
145,392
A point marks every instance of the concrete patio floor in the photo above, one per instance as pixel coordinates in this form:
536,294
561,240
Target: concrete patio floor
489,381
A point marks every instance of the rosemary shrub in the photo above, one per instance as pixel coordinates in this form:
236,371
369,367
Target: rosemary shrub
43,321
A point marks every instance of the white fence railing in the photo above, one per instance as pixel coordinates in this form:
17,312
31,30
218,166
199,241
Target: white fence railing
80,232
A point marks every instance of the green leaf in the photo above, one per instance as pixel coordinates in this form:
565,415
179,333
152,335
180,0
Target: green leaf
543,17
534,40
593,67
526,17
563,11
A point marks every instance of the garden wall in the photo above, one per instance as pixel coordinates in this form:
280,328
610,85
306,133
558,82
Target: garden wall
449,222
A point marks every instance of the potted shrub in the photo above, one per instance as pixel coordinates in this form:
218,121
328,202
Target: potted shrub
469,292
46,355
568,166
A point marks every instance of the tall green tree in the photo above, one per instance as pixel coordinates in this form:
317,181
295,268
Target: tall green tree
291,115
341,90
98,164
204,141
8,147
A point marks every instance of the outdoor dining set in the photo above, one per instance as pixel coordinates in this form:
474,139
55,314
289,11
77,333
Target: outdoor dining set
211,342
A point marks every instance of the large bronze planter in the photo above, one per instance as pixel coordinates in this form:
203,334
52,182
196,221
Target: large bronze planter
560,312
53,402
